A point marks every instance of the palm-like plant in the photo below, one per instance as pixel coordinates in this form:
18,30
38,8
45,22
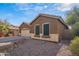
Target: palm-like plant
4,28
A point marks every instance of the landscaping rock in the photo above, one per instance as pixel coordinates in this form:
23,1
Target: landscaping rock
64,51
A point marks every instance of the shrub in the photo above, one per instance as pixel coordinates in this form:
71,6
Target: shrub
75,29
74,46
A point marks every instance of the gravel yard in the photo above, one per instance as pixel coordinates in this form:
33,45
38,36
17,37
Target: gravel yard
32,47
64,51
37,48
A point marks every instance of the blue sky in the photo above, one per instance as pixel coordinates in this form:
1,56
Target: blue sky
16,13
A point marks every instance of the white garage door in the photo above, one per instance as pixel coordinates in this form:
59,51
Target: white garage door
25,32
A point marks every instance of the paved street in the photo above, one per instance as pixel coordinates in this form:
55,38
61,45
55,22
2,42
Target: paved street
10,39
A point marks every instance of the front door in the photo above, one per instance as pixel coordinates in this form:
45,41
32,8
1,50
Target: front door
46,30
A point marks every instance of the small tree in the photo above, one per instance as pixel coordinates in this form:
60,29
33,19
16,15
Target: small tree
73,16
73,21
4,27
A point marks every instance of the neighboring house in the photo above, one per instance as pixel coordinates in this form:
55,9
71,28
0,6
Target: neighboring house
48,27
24,29
14,30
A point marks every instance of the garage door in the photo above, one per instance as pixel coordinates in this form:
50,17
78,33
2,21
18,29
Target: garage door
25,32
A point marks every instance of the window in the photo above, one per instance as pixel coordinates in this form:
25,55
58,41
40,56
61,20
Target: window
46,29
37,30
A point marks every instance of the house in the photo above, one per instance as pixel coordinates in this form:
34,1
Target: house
48,27
24,29
13,30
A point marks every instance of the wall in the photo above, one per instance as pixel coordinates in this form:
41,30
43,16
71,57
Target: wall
60,29
67,35
41,20
54,36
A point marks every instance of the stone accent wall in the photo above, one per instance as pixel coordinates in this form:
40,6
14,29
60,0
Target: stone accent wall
53,37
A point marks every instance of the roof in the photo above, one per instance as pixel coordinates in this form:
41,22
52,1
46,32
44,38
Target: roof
13,27
59,18
24,25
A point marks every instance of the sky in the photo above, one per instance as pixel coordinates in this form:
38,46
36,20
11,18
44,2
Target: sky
16,13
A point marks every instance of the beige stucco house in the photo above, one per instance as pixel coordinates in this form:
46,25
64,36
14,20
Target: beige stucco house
24,29
48,27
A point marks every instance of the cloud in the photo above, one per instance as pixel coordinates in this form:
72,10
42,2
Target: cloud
40,8
29,6
22,6
65,7
45,6
37,7
34,9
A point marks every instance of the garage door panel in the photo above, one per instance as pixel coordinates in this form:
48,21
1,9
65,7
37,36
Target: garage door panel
25,32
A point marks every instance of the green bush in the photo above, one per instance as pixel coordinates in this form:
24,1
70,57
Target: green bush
74,46
75,29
